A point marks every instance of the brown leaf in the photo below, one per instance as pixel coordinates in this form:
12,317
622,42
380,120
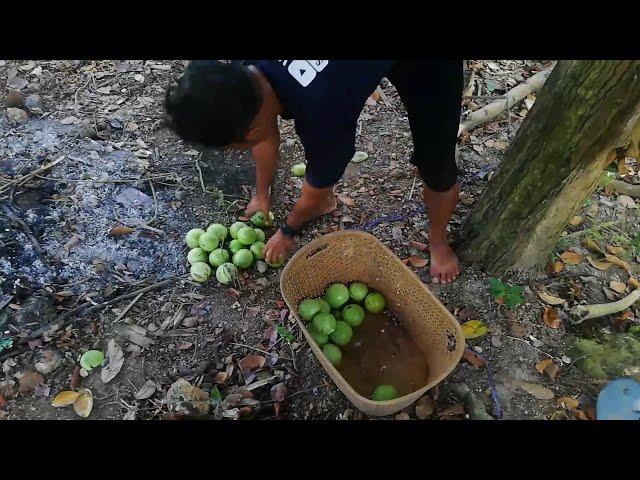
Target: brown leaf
146,391
550,299
518,329
64,398
232,292
75,379
567,402
614,250
550,318
616,261
73,242
29,381
221,378
115,360
576,220
633,282
424,408
348,201
552,370
121,230
571,258
539,391
252,362
84,404
589,244
278,392
252,312
576,289
280,304
3,401
618,287
418,245
473,358
418,262
184,345
599,264
541,365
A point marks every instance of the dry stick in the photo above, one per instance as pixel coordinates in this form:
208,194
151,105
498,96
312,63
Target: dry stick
625,188
27,176
514,96
27,232
587,312
261,351
535,348
128,307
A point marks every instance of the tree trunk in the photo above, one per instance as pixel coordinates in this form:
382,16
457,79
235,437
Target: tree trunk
585,110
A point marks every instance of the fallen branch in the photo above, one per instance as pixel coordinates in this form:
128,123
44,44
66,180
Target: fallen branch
587,312
624,188
473,405
27,231
28,176
513,96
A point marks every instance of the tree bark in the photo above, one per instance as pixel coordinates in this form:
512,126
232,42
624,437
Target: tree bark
585,110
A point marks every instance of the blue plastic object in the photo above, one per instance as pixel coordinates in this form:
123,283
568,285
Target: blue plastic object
619,400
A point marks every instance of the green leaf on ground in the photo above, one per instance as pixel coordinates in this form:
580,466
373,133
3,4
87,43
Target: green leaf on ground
216,398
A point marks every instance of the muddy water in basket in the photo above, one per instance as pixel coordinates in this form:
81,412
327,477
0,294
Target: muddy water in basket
382,352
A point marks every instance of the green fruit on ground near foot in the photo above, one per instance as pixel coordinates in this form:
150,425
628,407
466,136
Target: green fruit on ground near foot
353,314
320,338
308,308
192,237
357,291
333,354
200,272
246,235
276,264
374,303
235,245
337,295
324,305
235,228
299,170
243,259
342,335
383,393
226,273
196,255
218,257
324,323
219,229
209,241
260,236
259,220
258,250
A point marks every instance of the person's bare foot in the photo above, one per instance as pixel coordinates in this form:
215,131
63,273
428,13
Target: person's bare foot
330,206
445,266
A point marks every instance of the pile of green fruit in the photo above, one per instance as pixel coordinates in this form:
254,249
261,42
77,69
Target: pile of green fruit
227,249
331,321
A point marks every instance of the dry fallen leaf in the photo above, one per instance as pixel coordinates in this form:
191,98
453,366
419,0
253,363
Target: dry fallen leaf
251,362
278,392
115,360
120,230
29,381
348,201
473,358
571,258
65,398
221,378
568,402
84,403
613,250
184,345
619,287
146,391
555,267
600,265
474,329
424,408
590,244
418,245
552,370
418,262
550,317
576,220
541,365
550,299
539,391
616,261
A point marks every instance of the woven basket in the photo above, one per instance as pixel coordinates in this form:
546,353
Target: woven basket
348,256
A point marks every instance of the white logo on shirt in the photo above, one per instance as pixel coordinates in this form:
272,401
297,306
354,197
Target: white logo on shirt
304,71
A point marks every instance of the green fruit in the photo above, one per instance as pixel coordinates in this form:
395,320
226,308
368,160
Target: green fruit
324,323
333,354
200,272
209,241
196,255
193,236
259,221
382,393
308,308
342,335
299,170
235,245
246,235
243,259
219,229
357,291
374,303
218,257
258,250
353,315
91,359
324,306
337,295
235,228
260,236
276,264
320,338
226,273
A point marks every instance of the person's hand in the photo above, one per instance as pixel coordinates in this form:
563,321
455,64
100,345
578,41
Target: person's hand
278,247
258,204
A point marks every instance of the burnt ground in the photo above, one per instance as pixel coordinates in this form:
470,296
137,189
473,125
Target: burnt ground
122,167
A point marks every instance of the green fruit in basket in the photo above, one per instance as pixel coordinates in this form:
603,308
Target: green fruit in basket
196,255
324,323
235,228
209,241
218,257
299,170
374,303
226,273
342,335
308,308
235,245
260,236
193,236
337,295
333,354
382,393
258,250
320,338
357,291
259,221
353,314
324,306
200,272
246,235
243,259
219,229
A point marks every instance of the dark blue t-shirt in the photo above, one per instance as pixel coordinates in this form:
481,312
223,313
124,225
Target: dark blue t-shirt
325,98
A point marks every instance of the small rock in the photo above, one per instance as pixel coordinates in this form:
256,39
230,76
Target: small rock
477,348
87,130
17,116
14,98
34,103
189,322
182,397
17,83
48,361
626,201
424,408
359,157
403,416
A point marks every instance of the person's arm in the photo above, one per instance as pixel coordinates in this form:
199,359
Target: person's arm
266,155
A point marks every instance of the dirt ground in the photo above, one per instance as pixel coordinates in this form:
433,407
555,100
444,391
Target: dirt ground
120,167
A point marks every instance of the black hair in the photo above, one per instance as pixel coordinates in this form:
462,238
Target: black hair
213,103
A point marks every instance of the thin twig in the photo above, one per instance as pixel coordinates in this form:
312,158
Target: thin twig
261,351
27,231
412,188
128,307
75,96
537,349
27,176
155,204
